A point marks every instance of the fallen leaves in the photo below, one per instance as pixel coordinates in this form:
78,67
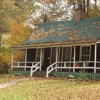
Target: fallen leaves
52,89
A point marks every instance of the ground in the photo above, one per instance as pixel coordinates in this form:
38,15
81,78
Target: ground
40,88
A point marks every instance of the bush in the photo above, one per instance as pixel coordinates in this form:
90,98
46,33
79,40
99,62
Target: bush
82,75
4,68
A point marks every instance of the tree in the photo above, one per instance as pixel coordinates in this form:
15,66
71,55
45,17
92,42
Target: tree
18,34
85,5
2,20
49,10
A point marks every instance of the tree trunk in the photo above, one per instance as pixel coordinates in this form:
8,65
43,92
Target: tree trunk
0,42
88,1
84,5
79,5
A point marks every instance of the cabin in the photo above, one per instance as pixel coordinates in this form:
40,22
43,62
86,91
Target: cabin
63,47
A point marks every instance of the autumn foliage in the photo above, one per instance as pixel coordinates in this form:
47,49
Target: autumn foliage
4,63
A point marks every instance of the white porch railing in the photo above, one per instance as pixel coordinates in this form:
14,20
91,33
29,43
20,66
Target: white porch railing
22,64
34,66
73,65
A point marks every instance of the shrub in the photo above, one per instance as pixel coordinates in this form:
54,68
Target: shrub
82,75
4,68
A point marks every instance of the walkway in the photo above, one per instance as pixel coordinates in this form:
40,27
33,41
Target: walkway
4,85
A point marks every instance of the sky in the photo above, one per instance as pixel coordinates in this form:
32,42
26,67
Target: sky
98,1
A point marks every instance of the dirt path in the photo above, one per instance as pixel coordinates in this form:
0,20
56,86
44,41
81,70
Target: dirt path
4,85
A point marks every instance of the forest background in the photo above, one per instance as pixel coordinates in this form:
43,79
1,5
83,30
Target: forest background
20,18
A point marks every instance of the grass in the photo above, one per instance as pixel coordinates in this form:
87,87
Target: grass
52,89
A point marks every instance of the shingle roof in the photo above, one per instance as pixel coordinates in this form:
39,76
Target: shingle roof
66,31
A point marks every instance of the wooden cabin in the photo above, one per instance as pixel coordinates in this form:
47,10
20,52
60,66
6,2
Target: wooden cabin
62,46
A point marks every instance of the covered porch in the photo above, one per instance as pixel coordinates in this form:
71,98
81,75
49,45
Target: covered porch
62,58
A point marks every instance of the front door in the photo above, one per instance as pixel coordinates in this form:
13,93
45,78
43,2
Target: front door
46,62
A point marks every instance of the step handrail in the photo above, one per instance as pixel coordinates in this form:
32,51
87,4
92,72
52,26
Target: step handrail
36,66
51,68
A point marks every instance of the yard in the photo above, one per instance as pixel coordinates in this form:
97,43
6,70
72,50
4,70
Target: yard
50,89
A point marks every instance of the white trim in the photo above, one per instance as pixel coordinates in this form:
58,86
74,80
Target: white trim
50,56
36,55
12,60
97,42
56,57
56,54
59,48
43,50
53,46
25,58
95,58
62,54
74,58
41,58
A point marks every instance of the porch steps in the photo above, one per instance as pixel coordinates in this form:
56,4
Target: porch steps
42,73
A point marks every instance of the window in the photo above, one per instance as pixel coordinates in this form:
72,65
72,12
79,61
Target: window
85,53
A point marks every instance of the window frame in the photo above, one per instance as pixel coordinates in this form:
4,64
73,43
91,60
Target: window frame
85,55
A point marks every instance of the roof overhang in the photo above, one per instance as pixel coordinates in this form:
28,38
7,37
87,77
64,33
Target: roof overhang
57,44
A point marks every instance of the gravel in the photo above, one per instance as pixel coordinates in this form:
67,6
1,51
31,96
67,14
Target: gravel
4,85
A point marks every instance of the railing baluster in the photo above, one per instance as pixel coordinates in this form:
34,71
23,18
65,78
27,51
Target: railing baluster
83,64
65,64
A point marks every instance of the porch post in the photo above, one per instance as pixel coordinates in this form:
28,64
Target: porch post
56,57
12,59
74,58
95,58
25,59
40,59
